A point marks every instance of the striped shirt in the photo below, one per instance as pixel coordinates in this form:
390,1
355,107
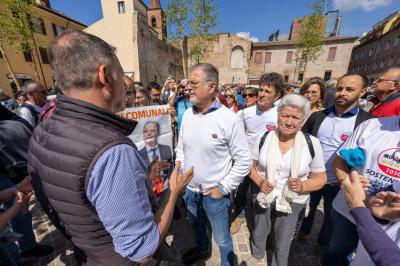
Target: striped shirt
117,190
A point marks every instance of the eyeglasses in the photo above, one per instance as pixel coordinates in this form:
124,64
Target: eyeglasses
195,84
229,96
384,80
250,95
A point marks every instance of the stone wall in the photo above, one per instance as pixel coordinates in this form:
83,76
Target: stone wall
219,53
157,59
338,66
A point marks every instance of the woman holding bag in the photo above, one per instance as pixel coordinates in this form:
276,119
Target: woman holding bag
287,166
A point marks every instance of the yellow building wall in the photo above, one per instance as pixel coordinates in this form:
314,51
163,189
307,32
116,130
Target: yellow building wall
22,68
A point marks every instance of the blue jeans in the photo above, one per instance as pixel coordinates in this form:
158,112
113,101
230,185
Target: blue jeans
199,207
343,241
22,222
329,193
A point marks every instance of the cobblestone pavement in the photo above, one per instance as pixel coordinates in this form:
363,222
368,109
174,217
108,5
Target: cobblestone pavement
303,252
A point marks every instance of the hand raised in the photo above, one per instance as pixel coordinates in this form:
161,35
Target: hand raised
156,166
178,182
385,205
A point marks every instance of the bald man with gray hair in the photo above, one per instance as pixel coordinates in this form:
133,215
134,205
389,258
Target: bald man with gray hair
387,90
37,97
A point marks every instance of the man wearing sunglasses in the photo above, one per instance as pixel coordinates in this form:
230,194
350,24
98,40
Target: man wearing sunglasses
387,90
37,97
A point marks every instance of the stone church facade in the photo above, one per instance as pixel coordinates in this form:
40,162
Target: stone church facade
241,61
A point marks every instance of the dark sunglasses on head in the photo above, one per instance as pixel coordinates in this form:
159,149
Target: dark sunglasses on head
251,95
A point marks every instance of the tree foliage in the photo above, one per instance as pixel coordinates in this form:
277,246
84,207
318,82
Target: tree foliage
16,29
15,25
310,45
195,19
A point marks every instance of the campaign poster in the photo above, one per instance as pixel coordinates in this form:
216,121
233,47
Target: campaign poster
153,137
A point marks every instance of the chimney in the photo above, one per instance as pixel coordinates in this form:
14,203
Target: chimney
155,4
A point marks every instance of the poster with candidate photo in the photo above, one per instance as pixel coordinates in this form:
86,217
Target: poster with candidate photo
153,137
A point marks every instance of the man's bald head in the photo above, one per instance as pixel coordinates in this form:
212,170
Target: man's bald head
32,86
387,84
36,92
393,73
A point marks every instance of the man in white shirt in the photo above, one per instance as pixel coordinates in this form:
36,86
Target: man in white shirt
257,119
37,97
333,126
211,138
379,141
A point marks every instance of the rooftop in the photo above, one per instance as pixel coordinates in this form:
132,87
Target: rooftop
292,42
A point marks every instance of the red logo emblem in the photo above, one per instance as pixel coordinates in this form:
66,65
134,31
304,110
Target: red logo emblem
271,127
345,136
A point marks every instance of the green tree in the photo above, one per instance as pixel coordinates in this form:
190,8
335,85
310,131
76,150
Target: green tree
191,18
16,30
177,19
204,21
310,45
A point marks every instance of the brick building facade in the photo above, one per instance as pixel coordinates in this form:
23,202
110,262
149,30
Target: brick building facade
241,61
379,49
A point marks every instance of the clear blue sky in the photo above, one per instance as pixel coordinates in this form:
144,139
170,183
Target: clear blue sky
260,17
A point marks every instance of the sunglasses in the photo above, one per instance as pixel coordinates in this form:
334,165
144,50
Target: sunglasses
229,96
251,95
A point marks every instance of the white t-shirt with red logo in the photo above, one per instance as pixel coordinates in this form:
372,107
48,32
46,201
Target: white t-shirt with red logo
333,132
380,140
257,122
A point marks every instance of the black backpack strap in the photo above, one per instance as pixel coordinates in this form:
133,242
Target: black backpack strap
262,140
306,135
33,112
310,145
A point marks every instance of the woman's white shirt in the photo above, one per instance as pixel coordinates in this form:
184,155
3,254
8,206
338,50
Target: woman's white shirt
307,164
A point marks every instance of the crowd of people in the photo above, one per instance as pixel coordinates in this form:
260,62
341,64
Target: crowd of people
266,153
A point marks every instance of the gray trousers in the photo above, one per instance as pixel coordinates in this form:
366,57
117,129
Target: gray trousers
283,229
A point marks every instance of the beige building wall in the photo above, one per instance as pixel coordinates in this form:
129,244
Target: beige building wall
116,29
142,54
278,64
26,70
219,53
